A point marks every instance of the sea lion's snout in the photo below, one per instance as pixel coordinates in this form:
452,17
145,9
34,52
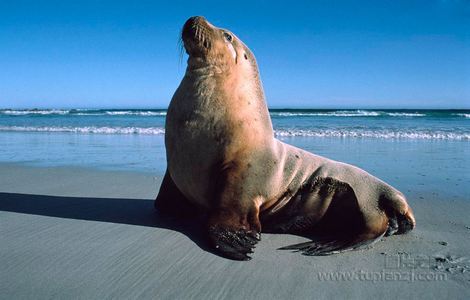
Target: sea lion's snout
195,35
190,25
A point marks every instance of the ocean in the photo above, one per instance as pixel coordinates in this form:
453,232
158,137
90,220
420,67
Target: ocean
386,124
388,143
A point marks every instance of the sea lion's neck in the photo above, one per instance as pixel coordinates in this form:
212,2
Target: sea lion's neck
205,70
201,66
239,89
247,96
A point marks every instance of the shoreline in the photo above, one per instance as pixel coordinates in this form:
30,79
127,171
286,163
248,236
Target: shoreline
85,233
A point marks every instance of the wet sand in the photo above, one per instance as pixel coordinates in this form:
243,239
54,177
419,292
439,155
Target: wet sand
90,234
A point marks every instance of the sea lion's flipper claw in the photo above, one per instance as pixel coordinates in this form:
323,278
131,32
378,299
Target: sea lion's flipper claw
230,243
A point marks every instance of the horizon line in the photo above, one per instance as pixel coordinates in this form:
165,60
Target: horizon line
269,108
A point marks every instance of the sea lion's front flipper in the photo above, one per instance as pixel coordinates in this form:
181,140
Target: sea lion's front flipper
170,201
234,226
232,242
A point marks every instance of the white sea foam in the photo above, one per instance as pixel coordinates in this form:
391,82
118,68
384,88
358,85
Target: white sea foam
80,112
136,113
406,114
34,112
340,113
357,113
347,113
344,133
383,134
87,129
89,114
463,115
162,113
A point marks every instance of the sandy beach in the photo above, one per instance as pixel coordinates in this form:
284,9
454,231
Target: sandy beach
93,234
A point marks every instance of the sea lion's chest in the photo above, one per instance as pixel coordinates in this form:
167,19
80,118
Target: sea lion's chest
212,122
196,137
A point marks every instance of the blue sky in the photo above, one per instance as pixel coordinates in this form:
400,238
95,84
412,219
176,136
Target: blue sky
319,54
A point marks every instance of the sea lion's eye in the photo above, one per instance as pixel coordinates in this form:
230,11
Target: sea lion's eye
228,37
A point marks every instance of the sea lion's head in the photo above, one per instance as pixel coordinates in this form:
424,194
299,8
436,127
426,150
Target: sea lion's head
210,46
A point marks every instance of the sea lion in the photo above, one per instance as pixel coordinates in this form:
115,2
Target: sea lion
223,159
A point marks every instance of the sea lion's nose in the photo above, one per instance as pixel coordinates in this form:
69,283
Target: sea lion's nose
191,24
195,19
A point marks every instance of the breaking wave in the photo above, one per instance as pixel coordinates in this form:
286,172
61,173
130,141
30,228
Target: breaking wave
342,133
463,115
87,129
82,112
274,113
380,134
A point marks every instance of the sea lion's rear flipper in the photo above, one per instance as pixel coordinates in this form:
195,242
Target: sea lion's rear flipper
328,246
399,213
344,224
170,201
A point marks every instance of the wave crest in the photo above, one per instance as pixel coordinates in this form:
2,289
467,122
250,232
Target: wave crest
347,113
463,115
34,112
342,133
273,113
81,112
88,129
381,134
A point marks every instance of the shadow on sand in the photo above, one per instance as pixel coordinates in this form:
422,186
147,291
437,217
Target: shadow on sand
123,211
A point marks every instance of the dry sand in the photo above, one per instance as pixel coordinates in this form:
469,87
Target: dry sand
77,233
